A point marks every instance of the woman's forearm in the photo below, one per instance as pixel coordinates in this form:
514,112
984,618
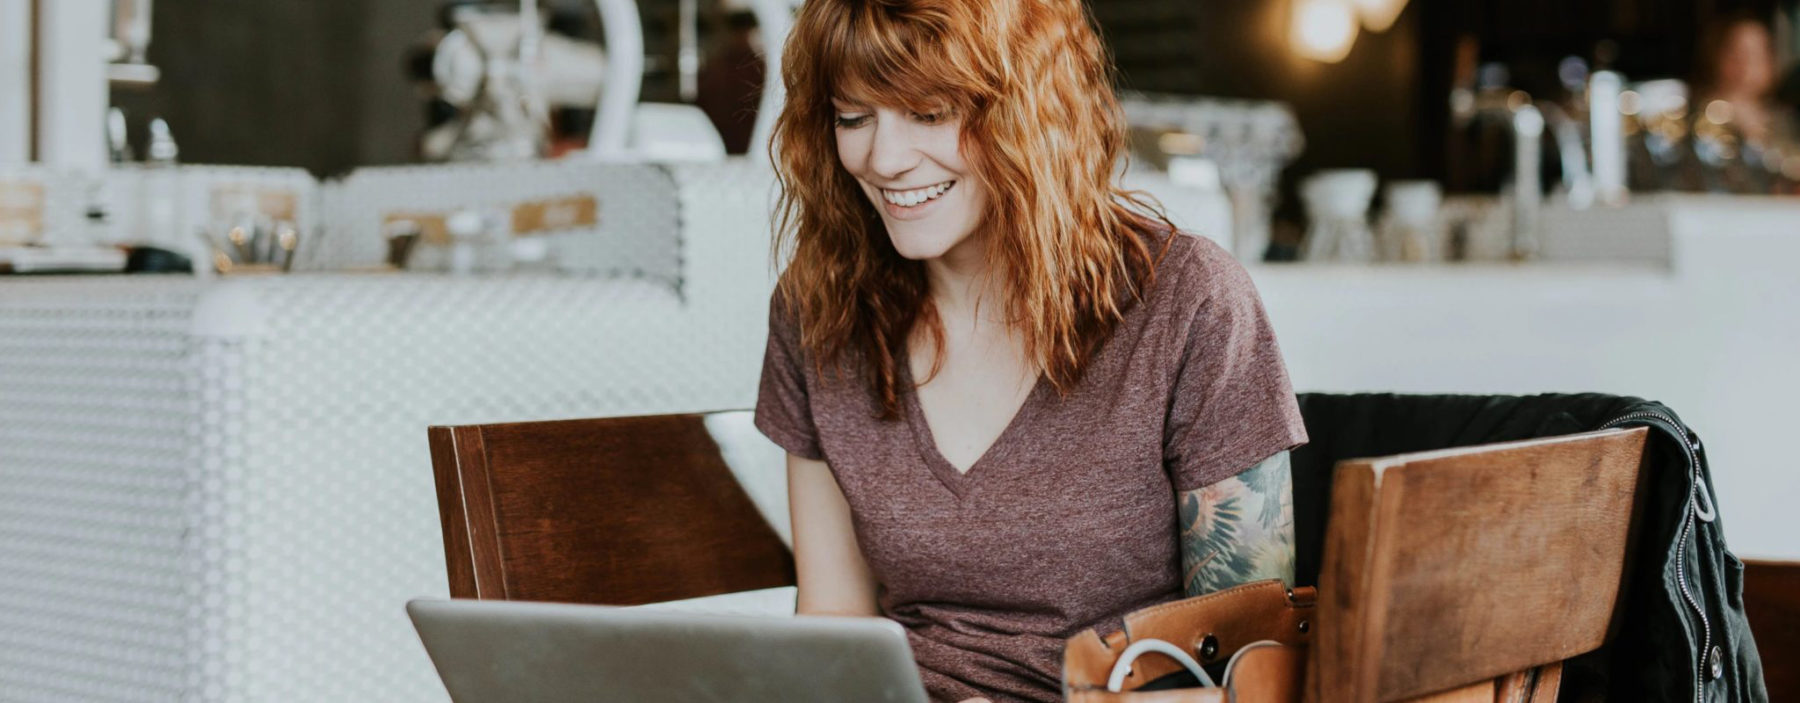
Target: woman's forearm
832,576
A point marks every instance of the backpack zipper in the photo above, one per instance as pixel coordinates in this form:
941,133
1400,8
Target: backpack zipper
1687,525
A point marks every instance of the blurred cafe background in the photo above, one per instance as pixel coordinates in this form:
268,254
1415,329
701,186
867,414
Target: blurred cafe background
249,250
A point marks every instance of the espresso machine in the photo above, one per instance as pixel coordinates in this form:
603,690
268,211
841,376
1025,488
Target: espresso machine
497,74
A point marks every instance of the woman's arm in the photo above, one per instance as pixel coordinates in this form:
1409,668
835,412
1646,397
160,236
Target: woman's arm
834,579
1240,529
828,565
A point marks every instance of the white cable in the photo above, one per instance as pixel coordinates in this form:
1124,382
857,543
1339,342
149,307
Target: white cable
1121,669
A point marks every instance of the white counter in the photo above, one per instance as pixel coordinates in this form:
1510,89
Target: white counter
1715,335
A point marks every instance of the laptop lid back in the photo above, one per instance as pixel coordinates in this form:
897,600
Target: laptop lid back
551,653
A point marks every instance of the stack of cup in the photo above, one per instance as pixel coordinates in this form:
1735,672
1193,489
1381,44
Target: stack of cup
1337,205
1410,230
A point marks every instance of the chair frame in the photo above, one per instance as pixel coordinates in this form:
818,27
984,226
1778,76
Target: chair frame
525,506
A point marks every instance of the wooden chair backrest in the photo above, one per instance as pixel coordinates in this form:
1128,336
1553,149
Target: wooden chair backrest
1772,604
1443,569
615,511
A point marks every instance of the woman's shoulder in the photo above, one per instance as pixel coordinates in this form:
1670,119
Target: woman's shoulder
784,321
1194,269
782,311
786,331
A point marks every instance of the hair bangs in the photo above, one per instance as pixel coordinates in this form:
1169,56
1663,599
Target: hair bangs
880,56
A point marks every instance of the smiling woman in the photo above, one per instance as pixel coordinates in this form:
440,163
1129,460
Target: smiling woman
1017,403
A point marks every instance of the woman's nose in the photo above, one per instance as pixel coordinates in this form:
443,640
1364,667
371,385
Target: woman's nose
894,150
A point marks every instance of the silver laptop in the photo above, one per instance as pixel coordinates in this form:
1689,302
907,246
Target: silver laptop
550,652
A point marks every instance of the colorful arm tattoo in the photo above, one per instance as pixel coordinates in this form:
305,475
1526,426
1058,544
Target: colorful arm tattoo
1240,529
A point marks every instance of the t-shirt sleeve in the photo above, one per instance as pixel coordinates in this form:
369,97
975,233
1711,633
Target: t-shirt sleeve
783,411
1232,405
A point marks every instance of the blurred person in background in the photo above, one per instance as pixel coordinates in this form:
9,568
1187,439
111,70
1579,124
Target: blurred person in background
731,81
1739,138
1736,63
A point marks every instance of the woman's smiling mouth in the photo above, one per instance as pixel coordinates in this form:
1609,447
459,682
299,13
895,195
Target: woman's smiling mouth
916,196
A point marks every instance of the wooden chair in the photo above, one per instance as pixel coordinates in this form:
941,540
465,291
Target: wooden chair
1772,603
614,511
1468,574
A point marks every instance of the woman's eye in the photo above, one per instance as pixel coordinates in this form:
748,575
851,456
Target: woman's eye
851,121
929,117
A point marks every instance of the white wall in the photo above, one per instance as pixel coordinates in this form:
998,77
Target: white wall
15,81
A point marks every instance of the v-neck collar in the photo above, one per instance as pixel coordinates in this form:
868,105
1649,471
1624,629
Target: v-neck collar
959,481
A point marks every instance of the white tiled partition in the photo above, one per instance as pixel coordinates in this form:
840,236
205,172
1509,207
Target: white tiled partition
99,599
222,491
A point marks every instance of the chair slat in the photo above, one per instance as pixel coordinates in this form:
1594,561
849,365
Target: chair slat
1446,568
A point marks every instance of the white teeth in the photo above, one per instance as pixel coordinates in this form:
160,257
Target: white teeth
910,198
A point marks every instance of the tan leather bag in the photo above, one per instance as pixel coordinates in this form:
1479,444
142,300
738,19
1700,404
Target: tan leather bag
1264,625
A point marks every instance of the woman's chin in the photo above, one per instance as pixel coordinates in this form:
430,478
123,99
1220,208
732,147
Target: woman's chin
919,249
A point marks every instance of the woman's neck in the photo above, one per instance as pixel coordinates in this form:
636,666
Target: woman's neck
961,285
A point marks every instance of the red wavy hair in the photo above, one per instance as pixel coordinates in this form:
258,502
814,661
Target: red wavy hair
1042,131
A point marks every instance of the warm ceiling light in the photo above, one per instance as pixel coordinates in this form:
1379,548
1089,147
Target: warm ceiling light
1378,15
1323,29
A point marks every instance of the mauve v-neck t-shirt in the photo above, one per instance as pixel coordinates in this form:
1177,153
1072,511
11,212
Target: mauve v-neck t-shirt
1069,519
